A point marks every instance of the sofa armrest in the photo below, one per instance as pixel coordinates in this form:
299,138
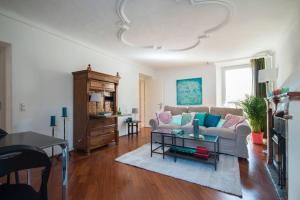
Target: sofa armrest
242,132
153,123
243,128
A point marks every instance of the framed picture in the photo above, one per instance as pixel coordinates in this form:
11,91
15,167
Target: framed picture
189,91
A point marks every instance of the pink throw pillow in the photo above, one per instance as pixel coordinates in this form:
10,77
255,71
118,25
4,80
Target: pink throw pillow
164,117
232,120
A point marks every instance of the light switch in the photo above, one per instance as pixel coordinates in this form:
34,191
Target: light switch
22,107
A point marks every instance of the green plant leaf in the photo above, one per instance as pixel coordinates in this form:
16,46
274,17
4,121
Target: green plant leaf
255,109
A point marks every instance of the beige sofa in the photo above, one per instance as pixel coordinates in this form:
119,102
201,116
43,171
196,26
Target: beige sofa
232,141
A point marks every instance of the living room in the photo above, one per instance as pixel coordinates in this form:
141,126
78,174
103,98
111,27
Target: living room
64,63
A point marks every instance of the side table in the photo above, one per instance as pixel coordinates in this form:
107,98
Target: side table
131,126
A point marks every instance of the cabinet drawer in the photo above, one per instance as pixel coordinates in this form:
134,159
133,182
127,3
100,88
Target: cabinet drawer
102,139
99,85
102,123
102,131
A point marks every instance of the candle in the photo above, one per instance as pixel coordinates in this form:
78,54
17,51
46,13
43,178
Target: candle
64,112
52,121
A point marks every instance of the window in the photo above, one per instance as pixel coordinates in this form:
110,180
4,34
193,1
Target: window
237,83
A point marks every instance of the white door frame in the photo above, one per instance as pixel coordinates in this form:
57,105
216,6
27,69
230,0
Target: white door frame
7,104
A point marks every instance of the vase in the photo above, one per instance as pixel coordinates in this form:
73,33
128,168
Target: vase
196,128
257,138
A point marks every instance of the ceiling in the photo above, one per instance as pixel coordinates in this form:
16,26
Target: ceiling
166,33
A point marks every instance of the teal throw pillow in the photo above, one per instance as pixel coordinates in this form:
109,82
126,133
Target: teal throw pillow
212,120
221,123
201,117
176,120
187,119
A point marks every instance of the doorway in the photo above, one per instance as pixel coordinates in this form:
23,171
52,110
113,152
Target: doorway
5,87
150,98
142,99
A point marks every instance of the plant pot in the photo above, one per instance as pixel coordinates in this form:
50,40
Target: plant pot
257,138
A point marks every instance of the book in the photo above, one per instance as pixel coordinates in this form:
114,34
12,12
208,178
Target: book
183,150
202,150
206,156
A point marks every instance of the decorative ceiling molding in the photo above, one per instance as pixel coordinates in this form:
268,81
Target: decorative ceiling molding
125,24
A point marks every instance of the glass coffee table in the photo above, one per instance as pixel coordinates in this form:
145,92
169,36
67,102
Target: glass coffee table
178,139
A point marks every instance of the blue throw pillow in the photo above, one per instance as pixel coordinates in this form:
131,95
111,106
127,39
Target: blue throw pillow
212,120
201,117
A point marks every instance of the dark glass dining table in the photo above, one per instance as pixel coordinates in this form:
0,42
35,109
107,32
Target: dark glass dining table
42,141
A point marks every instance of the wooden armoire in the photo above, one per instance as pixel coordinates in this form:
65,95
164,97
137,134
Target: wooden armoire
91,128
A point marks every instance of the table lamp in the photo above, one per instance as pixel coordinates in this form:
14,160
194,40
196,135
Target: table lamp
135,111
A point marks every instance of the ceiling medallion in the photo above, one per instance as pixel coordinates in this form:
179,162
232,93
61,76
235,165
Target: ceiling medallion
125,24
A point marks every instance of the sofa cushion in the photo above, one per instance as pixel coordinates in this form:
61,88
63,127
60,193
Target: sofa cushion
201,117
168,126
164,117
199,109
176,110
212,120
221,123
231,121
190,129
187,119
224,111
176,120
221,132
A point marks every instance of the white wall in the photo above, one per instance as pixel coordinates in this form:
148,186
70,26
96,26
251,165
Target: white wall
294,151
287,57
169,76
288,62
6,85
42,66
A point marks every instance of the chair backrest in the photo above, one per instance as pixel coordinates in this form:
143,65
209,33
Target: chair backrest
20,157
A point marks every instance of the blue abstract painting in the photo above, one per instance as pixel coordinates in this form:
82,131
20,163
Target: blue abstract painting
189,91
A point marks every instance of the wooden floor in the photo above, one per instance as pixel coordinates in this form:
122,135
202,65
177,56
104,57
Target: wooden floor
98,176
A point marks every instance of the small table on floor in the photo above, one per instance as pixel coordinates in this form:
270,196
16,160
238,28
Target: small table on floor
43,142
131,125
176,139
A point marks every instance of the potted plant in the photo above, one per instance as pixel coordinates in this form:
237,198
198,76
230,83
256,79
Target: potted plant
255,110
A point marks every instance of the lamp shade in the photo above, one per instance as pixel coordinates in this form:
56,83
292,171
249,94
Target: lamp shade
95,97
266,75
135,110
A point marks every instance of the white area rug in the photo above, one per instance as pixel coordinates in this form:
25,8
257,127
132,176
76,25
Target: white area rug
225,179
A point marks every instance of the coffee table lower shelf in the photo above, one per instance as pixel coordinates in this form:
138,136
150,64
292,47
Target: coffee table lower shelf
212,159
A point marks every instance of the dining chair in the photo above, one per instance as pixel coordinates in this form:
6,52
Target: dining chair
22,157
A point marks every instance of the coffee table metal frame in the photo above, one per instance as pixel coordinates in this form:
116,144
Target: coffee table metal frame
214,155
